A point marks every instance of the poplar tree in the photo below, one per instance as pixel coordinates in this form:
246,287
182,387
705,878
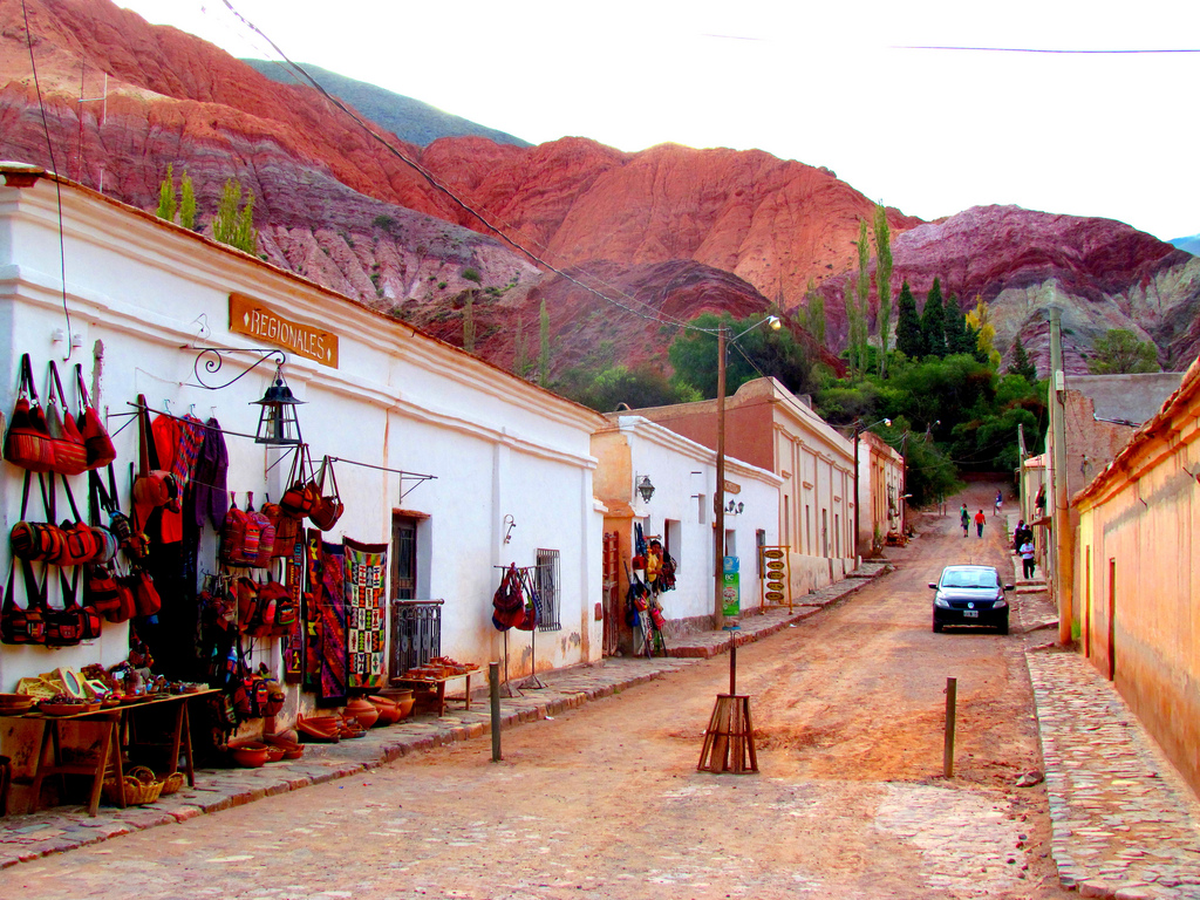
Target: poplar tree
883,283
544,346
862,290
166,195
469,323
233,223
909,339
933,321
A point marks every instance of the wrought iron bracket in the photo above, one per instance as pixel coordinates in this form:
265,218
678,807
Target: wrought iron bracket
211,359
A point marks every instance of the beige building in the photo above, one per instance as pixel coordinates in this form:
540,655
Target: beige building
1137,581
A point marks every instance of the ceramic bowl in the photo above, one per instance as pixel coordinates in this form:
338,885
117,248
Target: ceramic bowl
250,755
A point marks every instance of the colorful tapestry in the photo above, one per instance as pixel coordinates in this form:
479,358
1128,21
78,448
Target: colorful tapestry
331,604
292,645
366,605
310,612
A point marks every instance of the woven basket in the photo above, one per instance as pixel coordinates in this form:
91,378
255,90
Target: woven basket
171,783
141,786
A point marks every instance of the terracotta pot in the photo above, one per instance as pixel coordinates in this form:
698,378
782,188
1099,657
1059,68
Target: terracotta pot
249,755
274,753
284,741
389,710
319,728
363,710
406,706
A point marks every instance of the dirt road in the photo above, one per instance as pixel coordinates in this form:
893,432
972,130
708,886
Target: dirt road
606,801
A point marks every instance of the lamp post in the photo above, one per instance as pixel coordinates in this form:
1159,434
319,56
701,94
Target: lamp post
774,324
859,428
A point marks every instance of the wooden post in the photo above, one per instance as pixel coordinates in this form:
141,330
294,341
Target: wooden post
951,717
719,493
494,690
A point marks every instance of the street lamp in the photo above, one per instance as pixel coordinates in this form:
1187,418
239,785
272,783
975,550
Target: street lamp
859,428
774,323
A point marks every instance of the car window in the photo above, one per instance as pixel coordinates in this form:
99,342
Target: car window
982,579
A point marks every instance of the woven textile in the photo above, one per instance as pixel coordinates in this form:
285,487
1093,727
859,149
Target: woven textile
365,591
331,611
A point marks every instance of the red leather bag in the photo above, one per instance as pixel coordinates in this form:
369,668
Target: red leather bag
28,443
70,452
22,625
96,440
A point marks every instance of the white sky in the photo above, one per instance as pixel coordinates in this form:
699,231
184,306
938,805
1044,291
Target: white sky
930,132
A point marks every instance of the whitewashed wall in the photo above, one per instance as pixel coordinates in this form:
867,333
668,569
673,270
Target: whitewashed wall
680,470
138,290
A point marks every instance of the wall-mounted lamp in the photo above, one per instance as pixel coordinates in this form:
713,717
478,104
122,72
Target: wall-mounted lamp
509,524
277,422
735,509
645,488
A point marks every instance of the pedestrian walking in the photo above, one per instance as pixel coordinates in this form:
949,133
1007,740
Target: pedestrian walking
1027,564
1018,536
980,518
999,502
966,519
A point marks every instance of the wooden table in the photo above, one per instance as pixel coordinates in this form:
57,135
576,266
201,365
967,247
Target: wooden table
117,732
438,687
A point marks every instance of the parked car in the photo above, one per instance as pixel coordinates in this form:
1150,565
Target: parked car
970,595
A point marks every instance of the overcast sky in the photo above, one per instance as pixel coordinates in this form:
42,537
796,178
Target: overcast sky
932,132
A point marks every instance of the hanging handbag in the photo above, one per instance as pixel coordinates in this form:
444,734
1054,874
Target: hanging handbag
152,487
101,591
70,453
259,542
17,625
124,607
300,499
146,600
329,507
63,626
96,440
28,443
233,535
287,529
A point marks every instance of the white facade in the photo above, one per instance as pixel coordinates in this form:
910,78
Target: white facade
142,295
680,511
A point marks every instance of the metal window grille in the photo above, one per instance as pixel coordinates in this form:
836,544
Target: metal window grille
547,588
416,633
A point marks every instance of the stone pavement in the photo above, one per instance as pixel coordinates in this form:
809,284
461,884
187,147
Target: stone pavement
26,837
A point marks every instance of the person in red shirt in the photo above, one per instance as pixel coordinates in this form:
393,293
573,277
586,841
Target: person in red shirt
980,518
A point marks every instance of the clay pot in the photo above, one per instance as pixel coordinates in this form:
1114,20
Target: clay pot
283,741
363,710
249,755
274,753
389,710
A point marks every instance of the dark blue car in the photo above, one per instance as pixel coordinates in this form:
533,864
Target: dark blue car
970,595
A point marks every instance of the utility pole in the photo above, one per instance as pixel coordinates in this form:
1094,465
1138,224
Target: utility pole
719,493
1063,557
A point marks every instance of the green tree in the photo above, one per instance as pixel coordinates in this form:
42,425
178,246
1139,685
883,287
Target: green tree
1021,364
1119,352
187,202
814,313
166,195
933,321
234,223
862,291
758,351
883,283
469,323
543,345
909,339
959,338
605,389
520,353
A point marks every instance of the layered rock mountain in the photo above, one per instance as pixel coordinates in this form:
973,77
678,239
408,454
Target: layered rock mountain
601,235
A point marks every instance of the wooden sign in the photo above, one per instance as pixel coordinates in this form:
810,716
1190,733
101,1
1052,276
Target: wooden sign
253,317
732,487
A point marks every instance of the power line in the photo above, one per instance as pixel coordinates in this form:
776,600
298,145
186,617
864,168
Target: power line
1051,50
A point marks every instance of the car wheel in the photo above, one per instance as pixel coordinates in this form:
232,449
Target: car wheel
1003,626
937,627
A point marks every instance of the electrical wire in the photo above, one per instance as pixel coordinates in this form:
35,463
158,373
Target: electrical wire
62,250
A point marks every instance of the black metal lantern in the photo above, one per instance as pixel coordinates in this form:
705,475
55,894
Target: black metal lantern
277,422
645,488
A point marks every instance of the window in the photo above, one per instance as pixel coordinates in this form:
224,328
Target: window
672,538
547,588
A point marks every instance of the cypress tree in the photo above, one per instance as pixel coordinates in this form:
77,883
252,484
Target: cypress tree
166,195
1021,364
543,346
909,339
933,321
958,338
862,290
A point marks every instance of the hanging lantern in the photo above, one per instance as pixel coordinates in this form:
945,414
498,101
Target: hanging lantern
645,488
277,422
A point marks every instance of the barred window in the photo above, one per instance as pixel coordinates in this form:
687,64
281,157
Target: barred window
547,588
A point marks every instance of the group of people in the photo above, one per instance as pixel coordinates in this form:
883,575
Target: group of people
965,516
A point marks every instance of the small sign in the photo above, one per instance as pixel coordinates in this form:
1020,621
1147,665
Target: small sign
732,487
731,588
253,317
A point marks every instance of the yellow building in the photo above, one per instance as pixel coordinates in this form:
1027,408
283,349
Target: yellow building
1137,580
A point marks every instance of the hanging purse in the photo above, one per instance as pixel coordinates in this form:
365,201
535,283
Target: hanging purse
96,440
27,443
101,591
260,536
233,535
146,600
151,487
70,453
124,607
329,507
287,529
300,499
64,627
17,625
